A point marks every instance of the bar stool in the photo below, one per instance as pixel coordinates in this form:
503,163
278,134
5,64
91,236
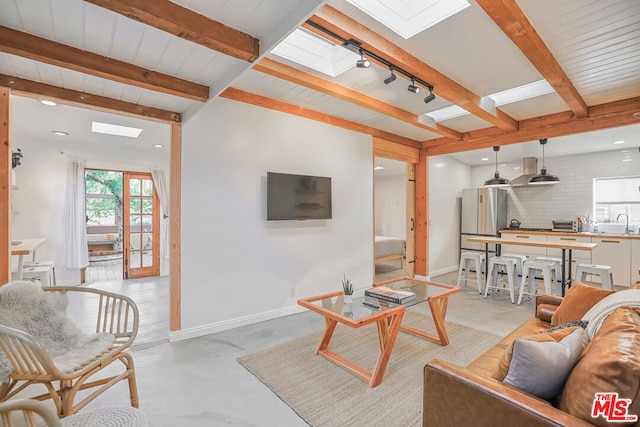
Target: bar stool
520,260
34,273
604,271
466,258
556,266
528,272
497,264
49,264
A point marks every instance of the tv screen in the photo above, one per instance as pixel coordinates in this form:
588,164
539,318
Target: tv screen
298,197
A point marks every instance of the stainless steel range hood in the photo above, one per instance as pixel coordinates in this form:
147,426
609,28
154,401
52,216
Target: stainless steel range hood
529,169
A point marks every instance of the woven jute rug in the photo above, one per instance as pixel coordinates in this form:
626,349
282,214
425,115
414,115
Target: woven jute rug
325,395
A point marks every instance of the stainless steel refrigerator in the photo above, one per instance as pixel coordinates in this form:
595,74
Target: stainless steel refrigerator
484,213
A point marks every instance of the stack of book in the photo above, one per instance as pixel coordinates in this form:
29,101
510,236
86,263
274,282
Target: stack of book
385,293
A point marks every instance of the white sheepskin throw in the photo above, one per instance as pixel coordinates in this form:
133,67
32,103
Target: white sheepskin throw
43,315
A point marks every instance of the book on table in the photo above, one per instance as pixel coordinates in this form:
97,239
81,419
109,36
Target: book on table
386,293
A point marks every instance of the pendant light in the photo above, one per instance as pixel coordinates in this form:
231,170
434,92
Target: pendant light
497,181
543,178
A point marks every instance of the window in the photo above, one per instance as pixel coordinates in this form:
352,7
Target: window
616,197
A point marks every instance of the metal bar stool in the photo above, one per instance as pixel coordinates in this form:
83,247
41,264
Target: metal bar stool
466,258
604,271
548,277
49,264
497,264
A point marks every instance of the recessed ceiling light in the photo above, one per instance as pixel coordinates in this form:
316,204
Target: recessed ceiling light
48,103
109,129
59,132
377,168
627,160
484,159
503,165
158,145
619,142
516,168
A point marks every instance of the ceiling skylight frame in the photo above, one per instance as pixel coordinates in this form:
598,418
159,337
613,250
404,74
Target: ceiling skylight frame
408,18
116,130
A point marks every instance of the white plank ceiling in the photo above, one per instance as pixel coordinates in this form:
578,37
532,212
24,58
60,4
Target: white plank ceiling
596,42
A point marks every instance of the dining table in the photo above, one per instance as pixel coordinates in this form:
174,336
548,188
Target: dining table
565,246
23,247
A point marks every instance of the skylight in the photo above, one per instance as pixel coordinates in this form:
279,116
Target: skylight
408,18
520,93
315,52
110,129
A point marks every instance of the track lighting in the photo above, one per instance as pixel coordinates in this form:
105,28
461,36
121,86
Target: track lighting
391,77
362,62
412,87
429,97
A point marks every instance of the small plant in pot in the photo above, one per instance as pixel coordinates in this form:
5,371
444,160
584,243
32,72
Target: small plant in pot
347,286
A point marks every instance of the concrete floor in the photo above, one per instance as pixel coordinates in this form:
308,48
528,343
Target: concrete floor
199,383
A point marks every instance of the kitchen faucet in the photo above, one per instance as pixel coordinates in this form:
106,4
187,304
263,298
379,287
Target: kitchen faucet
626,228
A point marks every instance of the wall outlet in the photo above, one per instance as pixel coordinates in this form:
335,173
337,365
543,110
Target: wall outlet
292,292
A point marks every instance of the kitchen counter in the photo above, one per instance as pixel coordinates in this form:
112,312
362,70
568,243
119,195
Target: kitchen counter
565,233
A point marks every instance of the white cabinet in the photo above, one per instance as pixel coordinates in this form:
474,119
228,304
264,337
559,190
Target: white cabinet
615,252
577,257
529,251
635,260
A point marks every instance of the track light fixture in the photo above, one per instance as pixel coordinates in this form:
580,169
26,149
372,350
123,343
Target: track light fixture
356,47
362,62
429,97
391,77
412,87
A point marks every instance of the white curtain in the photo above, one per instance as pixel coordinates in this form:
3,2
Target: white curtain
75,227
160,183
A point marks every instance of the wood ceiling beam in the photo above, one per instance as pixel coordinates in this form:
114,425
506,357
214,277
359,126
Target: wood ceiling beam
82,99
347,28
293,75
510,18
187,24
274,104
611,115
50,52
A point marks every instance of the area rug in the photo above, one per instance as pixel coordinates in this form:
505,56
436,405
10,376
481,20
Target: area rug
323,394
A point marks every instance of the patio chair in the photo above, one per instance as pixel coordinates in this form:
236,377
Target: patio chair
29,412
116,326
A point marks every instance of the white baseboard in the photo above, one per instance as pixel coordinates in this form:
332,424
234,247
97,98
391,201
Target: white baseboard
212,328
444,271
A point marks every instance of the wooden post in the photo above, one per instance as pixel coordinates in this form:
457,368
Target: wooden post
5,185
422,215
174,228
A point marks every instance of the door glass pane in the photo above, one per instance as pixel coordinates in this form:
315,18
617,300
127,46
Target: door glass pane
134,204
147,222
147,258
147,187
147,206
134,259
134,187
147,240
135,241
134,223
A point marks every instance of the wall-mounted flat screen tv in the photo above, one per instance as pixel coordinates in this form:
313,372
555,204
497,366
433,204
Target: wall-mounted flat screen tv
298,197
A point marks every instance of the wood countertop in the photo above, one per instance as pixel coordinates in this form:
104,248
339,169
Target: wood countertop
562,233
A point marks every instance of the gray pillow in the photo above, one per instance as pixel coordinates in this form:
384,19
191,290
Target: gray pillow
542,368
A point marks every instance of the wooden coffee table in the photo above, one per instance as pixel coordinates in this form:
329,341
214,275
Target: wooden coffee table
388,319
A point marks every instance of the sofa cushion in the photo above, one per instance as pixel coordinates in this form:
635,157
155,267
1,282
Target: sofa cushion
542,367
609,363
577,301
502,368
486,363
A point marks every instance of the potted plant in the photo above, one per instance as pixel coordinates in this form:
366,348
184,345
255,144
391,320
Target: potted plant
347,287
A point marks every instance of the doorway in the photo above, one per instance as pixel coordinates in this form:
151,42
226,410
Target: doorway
122,213
394,221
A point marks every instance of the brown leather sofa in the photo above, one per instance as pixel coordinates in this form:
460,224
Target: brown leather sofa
468,396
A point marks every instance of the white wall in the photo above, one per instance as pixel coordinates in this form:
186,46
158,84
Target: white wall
39,201
391,205
236,266
447,178
536,206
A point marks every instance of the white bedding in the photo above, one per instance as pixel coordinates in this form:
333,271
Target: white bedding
388,246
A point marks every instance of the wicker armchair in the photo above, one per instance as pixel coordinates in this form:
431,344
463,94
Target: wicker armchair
115,314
